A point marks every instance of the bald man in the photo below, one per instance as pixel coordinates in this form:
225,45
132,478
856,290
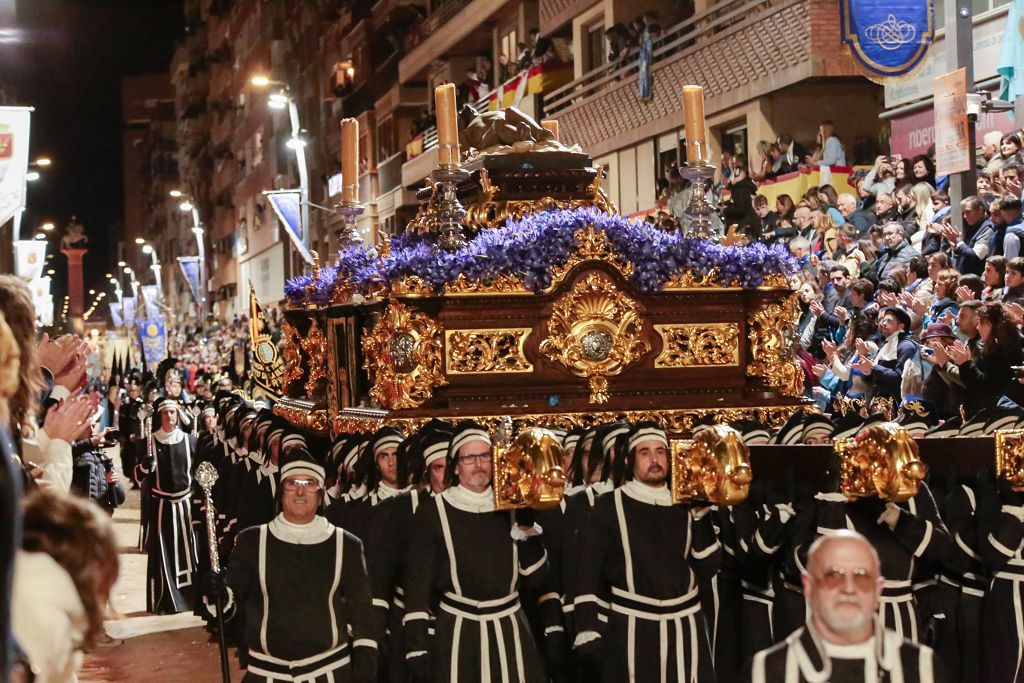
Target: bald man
841,641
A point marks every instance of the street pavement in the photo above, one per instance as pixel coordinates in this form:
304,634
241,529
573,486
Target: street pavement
143,646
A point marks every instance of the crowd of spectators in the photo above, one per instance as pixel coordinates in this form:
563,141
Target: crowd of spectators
896,303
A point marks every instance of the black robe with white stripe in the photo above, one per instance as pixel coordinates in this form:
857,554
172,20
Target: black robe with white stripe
640,559
803,658
465,568
171,542
305,596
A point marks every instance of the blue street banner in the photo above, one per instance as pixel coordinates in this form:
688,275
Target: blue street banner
190,269
154,341
1011,59
887,39
151,295
128,310
287,204
646,54
115,314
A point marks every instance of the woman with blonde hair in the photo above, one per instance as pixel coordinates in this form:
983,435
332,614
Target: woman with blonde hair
830,150
923,211
828,234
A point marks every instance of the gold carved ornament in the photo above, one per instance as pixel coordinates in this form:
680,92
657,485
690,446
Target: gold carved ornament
595,331
292,354
594,246
314,344
503,284
713,467
403,356
1010,457
770,331
700,345
674,421
489,351
314,420
882,460
528,472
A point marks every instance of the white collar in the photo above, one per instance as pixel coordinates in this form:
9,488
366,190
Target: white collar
652,495
356,492
316,531
384,491
169,438
603,486
464,499
574,489
890,349
863,650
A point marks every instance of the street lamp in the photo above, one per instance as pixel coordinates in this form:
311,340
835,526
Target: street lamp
48,227
187,205
32,176
155,266
43,162
281,98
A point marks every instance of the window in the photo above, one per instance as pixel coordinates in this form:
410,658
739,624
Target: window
385,138
595,48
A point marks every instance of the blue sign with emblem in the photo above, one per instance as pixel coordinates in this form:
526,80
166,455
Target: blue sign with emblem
888,39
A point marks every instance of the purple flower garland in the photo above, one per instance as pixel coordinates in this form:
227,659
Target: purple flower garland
528,248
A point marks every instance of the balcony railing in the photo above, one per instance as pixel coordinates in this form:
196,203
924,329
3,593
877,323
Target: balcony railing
435,20
676,38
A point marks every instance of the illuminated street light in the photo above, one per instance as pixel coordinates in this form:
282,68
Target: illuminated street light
48,227
32,176
51,271
147,249
277,100
44,161
295,143
40,236
186,206
139,240
175,193
127,270
260,81
121,264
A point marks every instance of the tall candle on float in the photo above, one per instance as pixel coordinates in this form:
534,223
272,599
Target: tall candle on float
349,160
447,125
693,109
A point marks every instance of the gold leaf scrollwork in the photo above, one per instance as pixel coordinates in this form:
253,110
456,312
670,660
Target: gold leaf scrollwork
595,331
503,284
594,246
292,354
689,280
675,421
472,351
315,420
770,330
403,356
411,286
314,344
698,345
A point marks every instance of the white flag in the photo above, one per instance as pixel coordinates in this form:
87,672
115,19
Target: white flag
31,259
40,288
14,127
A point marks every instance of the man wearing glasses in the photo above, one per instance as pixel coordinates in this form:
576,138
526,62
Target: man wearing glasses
479,561
842,640
302,586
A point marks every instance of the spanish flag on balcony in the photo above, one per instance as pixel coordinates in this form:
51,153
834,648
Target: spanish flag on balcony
535,81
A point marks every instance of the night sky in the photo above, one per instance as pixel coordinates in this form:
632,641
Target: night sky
69,67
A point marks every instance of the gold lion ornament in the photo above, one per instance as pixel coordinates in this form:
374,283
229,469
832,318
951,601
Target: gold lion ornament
1010,457
883,461
528,472
713,467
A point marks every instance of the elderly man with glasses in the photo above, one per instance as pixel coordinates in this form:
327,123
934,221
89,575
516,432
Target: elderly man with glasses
303,590
842,640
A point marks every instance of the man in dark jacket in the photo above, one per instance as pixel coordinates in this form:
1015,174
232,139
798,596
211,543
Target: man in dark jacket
885,370
862,219
971,248
896,253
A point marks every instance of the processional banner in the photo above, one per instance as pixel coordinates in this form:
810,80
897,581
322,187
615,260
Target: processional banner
887,39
